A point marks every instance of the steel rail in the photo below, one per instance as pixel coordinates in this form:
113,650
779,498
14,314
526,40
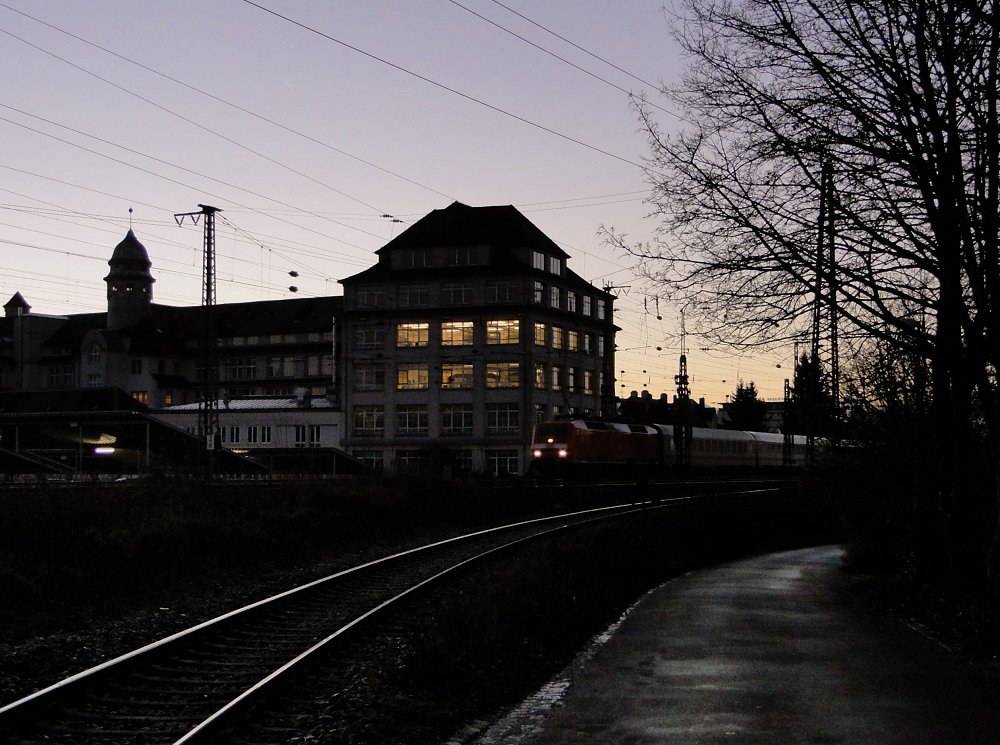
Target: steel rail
207,727
24,706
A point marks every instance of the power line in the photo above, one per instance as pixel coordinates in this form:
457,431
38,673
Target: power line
192,122
442,86
232,105
556,56
582,49
180,183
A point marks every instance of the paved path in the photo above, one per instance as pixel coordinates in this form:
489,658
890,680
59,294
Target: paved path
765,650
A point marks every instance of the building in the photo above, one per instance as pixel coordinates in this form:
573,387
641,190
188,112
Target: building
468,330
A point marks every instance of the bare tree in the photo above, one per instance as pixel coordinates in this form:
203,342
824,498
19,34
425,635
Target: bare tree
897,100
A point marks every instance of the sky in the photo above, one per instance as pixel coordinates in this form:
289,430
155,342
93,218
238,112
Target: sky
321,130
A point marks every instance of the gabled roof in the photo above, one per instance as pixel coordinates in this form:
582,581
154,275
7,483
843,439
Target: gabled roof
461,225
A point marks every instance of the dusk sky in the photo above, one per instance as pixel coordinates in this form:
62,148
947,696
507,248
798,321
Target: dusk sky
322,129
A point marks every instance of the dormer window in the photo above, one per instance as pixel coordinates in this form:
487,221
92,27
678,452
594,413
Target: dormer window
555,265
538,260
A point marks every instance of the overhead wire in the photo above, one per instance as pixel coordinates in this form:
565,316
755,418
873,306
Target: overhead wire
172,180
577,46
552,54
190,121
442,86
230,104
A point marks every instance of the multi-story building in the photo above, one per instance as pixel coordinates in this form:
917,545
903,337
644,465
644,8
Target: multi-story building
469,329
270,347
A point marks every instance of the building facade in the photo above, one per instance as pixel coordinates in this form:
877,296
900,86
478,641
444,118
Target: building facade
468,330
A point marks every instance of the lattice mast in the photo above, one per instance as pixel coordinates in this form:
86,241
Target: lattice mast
683,433
825,309
208,420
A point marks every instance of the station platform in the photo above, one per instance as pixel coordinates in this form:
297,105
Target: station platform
766,650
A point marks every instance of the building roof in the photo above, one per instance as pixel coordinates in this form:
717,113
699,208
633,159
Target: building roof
130,251
261,403
461,225
17,302
502,227
168,326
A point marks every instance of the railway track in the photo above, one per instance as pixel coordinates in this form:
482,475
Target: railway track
192,685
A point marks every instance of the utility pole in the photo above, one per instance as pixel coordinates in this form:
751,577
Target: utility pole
825,303
683,429
208,420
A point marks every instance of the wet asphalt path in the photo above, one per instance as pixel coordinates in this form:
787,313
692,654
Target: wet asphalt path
766,650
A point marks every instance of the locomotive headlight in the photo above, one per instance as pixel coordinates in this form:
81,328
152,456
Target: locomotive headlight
536,453
550,441
563,452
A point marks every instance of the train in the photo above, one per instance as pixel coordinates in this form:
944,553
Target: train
574,446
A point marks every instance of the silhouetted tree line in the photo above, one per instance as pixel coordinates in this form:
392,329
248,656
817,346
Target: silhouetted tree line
898,103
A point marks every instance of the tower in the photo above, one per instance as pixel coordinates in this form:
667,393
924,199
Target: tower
130,285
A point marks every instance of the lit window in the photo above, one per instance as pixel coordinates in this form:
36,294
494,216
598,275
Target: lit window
412,334
539,376
588,381
538,260
503,332
141,396
600,309
555,265
573,341
503,375
411,377
556,378
586,305
558,336
555,297
456,375
539,293
456,333
540,334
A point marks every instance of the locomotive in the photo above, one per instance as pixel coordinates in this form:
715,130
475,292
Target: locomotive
576,445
